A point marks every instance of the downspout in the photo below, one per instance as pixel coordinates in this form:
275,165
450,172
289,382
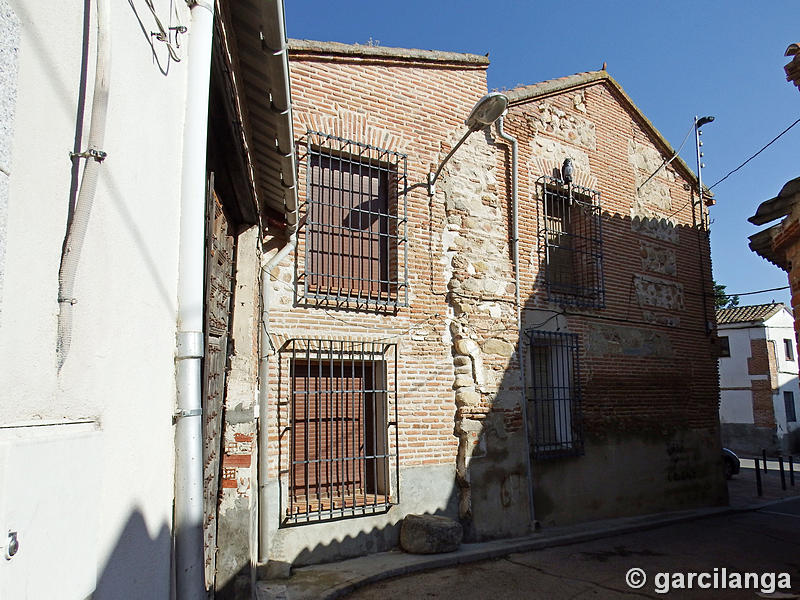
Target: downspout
189,555
275,46
94,155
263,397
515,252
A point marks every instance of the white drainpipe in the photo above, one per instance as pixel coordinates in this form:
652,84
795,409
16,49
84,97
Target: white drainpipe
520,358
189,557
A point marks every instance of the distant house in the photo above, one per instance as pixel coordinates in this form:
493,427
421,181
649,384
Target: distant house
759,392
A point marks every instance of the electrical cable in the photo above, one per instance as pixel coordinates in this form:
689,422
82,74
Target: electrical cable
670,159
777,289
754,155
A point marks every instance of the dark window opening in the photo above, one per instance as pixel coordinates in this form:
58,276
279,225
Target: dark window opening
788,401
788,348
342,409
724,346
355,226
555,395
571,244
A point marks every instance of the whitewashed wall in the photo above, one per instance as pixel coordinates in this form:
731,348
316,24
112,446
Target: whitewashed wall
119,375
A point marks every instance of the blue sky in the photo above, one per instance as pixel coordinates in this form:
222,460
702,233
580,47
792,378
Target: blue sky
675,59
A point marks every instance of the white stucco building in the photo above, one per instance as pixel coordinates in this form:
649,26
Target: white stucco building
108,139
759,392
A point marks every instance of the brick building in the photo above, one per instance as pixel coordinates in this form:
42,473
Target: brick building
393,383
780,243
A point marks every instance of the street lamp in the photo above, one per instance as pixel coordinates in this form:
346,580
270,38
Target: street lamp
485,112
698,123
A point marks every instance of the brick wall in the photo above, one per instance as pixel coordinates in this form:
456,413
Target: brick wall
647,367
656,262
412,107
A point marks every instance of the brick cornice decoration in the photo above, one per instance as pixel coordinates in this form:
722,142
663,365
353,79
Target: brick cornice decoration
788,235
355,126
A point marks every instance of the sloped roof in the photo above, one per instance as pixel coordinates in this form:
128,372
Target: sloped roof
748,314
779,206
761,244
579,80
258,33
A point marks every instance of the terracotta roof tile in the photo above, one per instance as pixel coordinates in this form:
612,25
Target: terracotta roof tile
748,314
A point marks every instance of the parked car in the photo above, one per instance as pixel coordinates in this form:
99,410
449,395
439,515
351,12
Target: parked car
730,463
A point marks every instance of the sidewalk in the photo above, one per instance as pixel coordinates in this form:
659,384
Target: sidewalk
334,580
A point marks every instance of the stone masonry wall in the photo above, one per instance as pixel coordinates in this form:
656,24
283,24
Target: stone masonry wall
483,317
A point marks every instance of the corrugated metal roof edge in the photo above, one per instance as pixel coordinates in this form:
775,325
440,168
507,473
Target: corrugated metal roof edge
552,87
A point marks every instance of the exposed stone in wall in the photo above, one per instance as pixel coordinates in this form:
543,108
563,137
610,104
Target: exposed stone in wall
657,259
549,155
482,328
655,194
657,318
646,222
612,340
236,497
568,127
659,293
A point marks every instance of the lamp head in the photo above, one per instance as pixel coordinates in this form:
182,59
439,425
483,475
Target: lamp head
486,111
703,121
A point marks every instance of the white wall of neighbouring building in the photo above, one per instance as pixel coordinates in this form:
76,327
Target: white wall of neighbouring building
95,438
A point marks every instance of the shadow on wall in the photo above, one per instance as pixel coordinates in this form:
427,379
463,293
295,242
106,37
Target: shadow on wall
644,427
139,566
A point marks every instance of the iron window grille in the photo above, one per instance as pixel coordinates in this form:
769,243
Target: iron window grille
356,238
555,395
788,349
571,243
342,420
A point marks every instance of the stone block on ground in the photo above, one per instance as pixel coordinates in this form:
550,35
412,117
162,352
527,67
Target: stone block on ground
430,534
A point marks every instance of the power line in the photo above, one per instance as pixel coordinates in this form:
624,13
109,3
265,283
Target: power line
754,155
777,289
669,160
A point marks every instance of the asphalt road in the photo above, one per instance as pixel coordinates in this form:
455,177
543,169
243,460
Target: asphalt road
716,550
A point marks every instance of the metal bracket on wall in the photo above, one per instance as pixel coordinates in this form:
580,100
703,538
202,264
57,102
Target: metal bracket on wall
98,155
195,412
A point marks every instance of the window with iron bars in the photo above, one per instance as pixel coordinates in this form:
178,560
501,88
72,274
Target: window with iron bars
355,240
571,243
342,416
555,395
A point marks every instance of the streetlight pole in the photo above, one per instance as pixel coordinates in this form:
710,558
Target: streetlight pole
698,123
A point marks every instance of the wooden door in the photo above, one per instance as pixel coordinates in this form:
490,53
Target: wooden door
219,282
